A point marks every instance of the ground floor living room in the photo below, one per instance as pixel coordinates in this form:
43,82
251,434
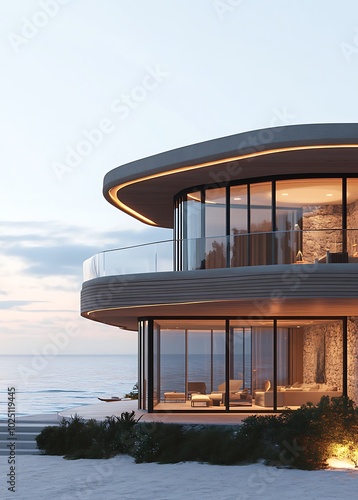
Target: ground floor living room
245,364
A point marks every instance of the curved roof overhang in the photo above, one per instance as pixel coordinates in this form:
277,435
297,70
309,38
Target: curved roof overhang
145,188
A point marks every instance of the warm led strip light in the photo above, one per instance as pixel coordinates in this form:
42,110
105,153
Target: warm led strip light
113,192
105,309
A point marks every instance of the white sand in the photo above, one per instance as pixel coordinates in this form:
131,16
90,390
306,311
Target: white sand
42,477
53,478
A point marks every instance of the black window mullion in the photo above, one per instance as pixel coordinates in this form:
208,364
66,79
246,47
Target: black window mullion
228,214
211,360
344,214
150,366
273,217
345,357
248,225
202,229
227,364
275,365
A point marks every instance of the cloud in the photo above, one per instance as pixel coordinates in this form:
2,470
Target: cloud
12,304
55,249
74,311
54,260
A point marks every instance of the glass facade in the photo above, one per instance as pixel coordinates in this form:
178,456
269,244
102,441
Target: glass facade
228,364
281,221
252,364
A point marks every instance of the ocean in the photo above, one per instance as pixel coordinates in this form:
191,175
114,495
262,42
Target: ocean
55,383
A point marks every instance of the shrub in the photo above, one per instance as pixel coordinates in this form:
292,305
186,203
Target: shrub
253,440
172,443
307,437
303,438
77,438
70,436
133,394
52,440
116,433
151,438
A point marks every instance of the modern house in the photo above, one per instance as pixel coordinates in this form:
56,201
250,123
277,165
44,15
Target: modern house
253,305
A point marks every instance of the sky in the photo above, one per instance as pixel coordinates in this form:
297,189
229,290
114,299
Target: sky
88,85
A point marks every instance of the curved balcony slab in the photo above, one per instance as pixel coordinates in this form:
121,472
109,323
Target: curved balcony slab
282,290
145,188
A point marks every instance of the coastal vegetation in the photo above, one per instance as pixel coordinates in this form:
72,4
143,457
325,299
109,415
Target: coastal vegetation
305,438
133,394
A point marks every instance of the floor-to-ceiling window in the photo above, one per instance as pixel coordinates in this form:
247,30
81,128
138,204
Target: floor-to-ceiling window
240,364
310,211
190,353
261,251
193,232
239,394
238,226
215,228
352,219
281,221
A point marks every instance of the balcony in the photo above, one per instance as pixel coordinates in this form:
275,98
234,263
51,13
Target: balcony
240,250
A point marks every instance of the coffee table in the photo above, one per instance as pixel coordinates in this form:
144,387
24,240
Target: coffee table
216,398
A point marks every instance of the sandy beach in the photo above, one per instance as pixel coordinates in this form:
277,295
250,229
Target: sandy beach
40,477
43,477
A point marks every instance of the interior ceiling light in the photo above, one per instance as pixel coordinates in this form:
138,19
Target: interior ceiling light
284,194
237,199
193,197
329,194
113,191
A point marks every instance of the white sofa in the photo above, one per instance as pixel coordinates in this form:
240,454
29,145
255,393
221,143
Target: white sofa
296,395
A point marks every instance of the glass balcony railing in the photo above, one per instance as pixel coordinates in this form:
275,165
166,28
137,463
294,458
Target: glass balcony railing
146,258
254,249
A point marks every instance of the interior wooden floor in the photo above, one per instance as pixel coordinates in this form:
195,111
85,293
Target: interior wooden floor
186,406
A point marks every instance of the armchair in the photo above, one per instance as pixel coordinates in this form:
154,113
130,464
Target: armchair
196,387
234,386
236,395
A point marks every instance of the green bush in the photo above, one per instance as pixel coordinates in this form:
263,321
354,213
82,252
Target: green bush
303,438
117,434
77,438
70,436
52,440
172,443
133,394
318,429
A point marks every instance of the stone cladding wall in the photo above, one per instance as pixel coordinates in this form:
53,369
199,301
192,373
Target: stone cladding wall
353,358
320,224
323,355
